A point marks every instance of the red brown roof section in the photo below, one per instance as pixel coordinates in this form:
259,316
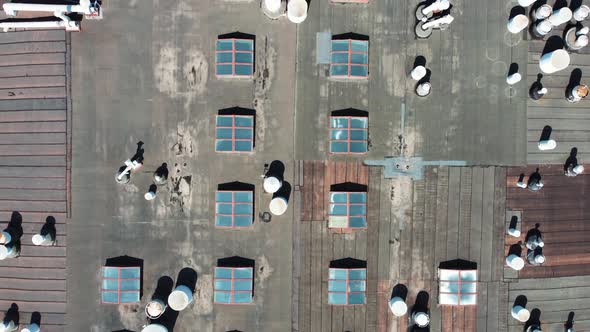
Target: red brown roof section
34,169
560,210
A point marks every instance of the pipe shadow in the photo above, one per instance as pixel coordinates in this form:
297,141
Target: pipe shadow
421,303
513,222
15,226
163,289
572,159
138,156
515,249
553,43
520,300
516,10
49,228
187,277
400,290
12,314
536,86
513,68
575,79
276,169
162,170
545,134
534,319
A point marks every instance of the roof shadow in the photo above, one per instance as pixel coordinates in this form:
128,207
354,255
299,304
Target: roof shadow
458,264
348,263
350,112
128,261
350,35
349,187
236,186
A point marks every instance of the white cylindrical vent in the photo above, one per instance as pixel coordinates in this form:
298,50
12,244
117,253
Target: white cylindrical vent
521,184
520,313
278,206
155,308
526,3
581,13
8,326
418,73
578,169
539,259
513,232
398,306
155,328
42,240
423,89
421,319
272,5
272,184
5,237
180,298
31,328
297,11
554,61
543,27
581,41
518,23
150,195
560,16
513,79
546,145
515,262
543,12
8,251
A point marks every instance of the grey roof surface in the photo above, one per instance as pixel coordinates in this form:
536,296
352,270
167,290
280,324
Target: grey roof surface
471,114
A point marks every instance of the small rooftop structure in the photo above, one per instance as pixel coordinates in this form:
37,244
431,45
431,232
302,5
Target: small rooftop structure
457,283
349,131
234,205
348,206
234,130
347,282
120,284
234,281
234,55
350,56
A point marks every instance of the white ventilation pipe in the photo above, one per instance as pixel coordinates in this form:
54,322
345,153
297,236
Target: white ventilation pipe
150,195
418,73
154,328
436,6
560,16
85,7
33,327
43,240
447,19
180,298
398,306
581,41
8,326
543,12
423,89
272,184
526,3
554,61
515,262
155,308
543,27
272,6
278,206
7,26
297,10
421,319
5,237
578,169
581,13
513,231
520,313
547,144
513,79
518,23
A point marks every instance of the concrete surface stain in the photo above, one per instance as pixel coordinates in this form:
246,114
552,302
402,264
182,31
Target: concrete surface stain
165,70
263,270
204,295
196,71
265,74
131,315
